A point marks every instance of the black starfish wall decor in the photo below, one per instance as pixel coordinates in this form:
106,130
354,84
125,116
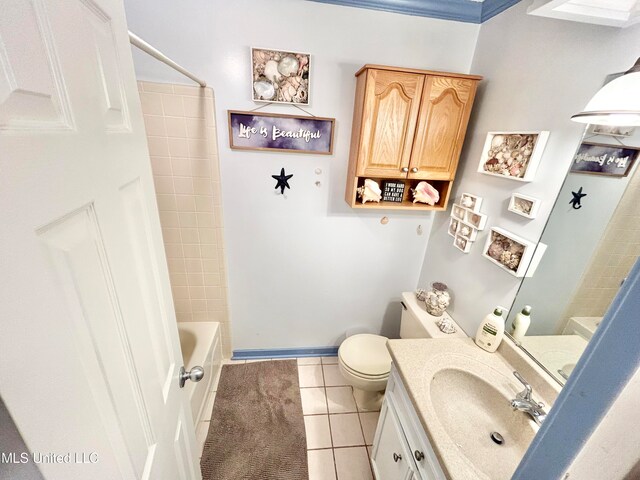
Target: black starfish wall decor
577,197
283,181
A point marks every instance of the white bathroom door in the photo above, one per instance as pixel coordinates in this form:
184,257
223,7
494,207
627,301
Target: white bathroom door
89,351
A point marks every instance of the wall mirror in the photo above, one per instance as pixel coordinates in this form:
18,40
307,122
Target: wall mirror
590,251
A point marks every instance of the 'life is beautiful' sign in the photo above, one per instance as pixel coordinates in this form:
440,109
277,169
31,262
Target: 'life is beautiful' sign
600,159
284,133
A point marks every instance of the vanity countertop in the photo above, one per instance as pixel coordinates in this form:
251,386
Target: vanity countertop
418,360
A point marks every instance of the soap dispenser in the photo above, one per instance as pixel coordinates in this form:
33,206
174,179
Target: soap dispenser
491,331
521,324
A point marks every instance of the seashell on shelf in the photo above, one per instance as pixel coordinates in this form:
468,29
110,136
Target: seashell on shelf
370,191
288,65
271,71
264,89
425,193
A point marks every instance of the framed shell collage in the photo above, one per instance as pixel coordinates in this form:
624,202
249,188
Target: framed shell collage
280,76
513,155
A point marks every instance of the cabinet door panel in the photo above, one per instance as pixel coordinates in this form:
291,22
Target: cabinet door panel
391,458
442,124
392,102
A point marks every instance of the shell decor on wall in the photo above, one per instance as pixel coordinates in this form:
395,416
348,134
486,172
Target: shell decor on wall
466,221
279,76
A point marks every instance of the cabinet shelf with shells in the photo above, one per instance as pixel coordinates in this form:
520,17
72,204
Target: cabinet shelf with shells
416,195
408,126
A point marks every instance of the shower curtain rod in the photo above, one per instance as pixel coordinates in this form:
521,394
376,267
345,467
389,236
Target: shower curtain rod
145,47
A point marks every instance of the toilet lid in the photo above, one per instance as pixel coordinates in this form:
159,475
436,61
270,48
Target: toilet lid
366,354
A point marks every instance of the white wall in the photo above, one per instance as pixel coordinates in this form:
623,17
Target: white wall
304,268
538,72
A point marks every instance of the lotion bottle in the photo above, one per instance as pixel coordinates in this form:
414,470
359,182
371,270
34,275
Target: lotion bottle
491,331
521,324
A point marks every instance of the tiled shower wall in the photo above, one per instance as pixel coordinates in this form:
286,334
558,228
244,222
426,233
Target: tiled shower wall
180,126
612,260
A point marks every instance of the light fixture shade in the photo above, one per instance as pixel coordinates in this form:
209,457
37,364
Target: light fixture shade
616,104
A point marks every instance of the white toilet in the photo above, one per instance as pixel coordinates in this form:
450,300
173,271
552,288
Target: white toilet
365,362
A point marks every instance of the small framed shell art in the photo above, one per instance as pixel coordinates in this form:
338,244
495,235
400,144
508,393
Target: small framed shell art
462,244
471,202
475,219
458,212
453,226
524,206
467,231
508,251
279,76
513,155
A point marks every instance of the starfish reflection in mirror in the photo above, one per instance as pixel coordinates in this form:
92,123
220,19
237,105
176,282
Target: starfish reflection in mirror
577,197
283,181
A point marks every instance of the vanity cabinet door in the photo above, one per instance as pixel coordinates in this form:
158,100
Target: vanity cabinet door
444,113
391,458
391,104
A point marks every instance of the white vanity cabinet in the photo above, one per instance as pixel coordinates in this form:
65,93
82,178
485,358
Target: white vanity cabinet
401,449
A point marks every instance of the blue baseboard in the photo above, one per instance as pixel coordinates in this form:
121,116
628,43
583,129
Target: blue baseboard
256,354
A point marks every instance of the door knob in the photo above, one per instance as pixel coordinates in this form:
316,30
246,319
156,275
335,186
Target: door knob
195,375
414,170
419,455
405,169
396,457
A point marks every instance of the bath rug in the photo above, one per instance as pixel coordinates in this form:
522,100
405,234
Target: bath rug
257,427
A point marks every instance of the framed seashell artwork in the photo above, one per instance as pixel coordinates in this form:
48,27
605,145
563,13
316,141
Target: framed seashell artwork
462,244
524,206
454,224
458,212
513,155
476,220
508,251
467,231
471,202
279,76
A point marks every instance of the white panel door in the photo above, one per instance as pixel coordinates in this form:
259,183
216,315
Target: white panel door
89,352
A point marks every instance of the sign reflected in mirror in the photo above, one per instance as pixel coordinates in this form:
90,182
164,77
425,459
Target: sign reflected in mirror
590,252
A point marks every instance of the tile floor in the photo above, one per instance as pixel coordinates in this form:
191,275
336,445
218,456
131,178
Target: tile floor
339,432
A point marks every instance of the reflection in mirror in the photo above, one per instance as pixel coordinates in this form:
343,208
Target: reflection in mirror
590,252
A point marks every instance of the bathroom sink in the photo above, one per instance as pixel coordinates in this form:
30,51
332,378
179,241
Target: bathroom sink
470,410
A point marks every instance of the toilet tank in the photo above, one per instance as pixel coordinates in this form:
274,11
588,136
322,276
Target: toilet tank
417,323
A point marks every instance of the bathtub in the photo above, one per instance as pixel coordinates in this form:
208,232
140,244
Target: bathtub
200,343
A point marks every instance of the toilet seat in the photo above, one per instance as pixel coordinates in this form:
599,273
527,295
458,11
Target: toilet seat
366,356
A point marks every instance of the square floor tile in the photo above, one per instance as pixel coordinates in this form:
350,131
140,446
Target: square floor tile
362,409
329,360
340,400
310,376
333,377
232,362
309,361
318,434
314,401
321,465
257,360
352,464
346,430
369,422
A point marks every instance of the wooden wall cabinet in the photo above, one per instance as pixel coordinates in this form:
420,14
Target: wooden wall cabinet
410,125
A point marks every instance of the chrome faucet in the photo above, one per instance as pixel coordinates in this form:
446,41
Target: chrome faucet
526,404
